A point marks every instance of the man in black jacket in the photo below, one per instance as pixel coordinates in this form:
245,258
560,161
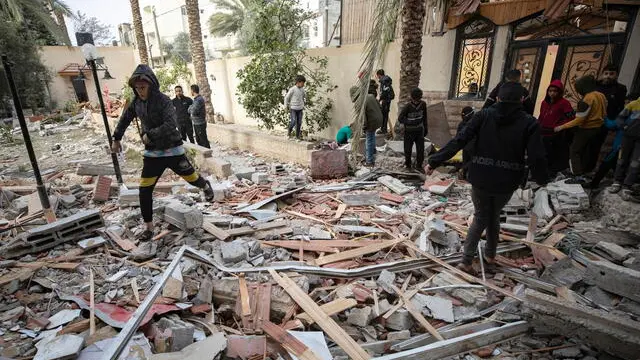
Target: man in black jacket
512,76
198,117
386,95
182,103
162,141
503,134
414,118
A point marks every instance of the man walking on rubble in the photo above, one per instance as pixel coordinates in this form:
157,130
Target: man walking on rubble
503,133
162,141
182,103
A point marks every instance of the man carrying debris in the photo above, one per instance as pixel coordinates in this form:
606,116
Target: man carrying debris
162,141
503,134
199,117
182,103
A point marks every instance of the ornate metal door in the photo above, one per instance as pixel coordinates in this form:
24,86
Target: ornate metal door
529,59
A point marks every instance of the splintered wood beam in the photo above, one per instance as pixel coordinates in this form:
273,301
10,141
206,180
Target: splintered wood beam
289,342
335,332
331,308
417,314
354,253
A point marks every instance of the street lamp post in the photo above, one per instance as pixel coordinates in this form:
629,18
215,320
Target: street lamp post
90,55
49,214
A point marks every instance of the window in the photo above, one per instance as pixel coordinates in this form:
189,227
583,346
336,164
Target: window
183,10
471,66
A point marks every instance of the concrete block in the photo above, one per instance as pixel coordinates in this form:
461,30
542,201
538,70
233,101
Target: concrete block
383,306
205,292
129,197
440,309
400,320
567,353
599,296
102,188
399,335
180,333
260,178
182,216
329,164
394,185
468,296
173,287
277,169
614,278
233,252
436,231
361,199
245,172
386,280
316,233
60,347
67,201
220,191
201,150
219,167
614,251
360,316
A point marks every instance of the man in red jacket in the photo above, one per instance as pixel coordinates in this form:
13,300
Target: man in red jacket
555,110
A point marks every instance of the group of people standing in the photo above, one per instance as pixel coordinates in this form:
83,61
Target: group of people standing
191,115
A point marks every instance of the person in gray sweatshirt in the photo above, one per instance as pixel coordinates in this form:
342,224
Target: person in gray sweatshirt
294,101
199,117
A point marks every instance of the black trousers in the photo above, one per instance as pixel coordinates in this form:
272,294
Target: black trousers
629,164
557,152
582,152
186,129
201,135
487,208
386,108
152,169
414,136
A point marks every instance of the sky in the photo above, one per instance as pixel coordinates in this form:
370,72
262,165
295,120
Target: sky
109,12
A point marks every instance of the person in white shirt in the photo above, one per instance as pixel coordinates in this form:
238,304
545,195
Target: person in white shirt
294,101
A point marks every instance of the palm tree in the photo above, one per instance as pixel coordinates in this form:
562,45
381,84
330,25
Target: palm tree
413,14
60,9
197,54
137,25
230,20
14,10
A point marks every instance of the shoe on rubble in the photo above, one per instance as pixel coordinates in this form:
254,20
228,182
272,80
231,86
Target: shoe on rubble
614,188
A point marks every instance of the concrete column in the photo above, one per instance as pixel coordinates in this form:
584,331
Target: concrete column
500,53
631,55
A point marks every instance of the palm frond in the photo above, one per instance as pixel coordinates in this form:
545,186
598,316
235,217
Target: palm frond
63,8
11,9
229,5
382,32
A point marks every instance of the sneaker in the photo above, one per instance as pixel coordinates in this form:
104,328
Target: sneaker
614,188
146,235
627,195
466,268
208,192
420,169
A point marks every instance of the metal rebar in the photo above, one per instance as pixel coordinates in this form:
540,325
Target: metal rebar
114,156
42,191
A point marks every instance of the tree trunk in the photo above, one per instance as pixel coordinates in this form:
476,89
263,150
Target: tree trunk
413,15
198,56
63,26
137,25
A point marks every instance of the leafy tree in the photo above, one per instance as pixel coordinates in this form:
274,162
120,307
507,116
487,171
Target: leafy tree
168,77
17,10
30,75
273,34
180,47
101,32
230,17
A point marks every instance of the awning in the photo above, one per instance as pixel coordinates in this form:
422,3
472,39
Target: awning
73,69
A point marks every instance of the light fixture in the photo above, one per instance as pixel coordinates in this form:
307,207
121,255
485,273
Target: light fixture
107,75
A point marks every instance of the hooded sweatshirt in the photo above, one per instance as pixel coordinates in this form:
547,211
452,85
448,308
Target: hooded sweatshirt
373,113
615,94
503,133
386,90
556,113
157,114
592,107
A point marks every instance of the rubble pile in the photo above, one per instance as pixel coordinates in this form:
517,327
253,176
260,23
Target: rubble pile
285,265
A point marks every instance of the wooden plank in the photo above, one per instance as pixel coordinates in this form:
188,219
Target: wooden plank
75,328
215,231
327,243
290,343
300,245
341,209
51,265
244,230
531,229
244,295
124,244
350,254
447,348
417,314
331,308
461,273
270,226
553,221
136,291
335,332
20,275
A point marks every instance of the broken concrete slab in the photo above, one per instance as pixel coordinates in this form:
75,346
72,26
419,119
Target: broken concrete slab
436,231
440,309
173,287
599,296
178,333
361,199
129,197
398,335
564,272
399,320
200,150
205,292
612,251
567,198
234,251
614,278
394,185
316,233
182,216
94,170
360,316
260,178
60,347
92,243
208,348
245,172
386,280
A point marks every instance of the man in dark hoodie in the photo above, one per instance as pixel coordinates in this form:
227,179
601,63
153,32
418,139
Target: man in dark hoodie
386,95
503,134
414,118
512,76
199,117
555,110
162,141
182,103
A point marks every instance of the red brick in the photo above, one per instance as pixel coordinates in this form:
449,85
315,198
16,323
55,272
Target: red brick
329,164
102,188
392,197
